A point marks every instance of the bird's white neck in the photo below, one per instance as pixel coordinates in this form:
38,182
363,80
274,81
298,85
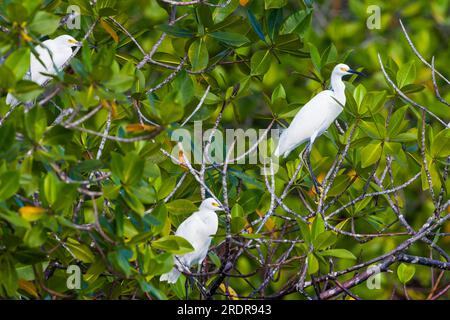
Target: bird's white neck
338,87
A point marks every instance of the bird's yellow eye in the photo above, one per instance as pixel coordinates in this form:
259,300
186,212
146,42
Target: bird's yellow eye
215,204
344,69
72,41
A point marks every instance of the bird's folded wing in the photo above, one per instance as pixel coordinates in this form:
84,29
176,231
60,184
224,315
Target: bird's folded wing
310,118
189,229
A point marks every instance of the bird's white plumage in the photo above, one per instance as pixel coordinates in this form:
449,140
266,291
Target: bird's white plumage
53,54
307,124
197,229
316,115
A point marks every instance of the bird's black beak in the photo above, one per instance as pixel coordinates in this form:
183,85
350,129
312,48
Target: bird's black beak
356,72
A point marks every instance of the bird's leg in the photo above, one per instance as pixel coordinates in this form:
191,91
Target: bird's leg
200,278
317,185
186,286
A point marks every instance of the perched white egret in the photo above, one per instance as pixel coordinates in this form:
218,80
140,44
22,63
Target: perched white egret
315,117
53,54
197,229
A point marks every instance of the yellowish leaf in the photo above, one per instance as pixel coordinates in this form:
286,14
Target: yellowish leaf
181,159
447,229
28,287
353,174
31,213
311,220
113,109
110,30
110,105
270,224
138,127
26,37
230,291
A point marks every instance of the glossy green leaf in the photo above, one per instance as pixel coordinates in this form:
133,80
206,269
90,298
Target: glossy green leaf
405,272
198,55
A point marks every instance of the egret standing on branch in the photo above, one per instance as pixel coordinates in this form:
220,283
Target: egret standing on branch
315,117
52,55
197,229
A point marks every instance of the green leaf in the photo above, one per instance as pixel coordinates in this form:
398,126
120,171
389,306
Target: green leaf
120,258
34,237
133,202
8,276
159,214
220,13
406,74
184,88
7,77
181,206
305,231
44,23
175,31
296,22
237,211
128,168
15,219
79,250
260,62
94,271
238,224
315,57
359,94
19,62
440,148
230,38
270,4
318,227
274,21
52,187
338,253
412,88
198,55
370,154
313,263
36,123
9,184
256,25
395,122
173,244
405,272
122,80
278,93
324,240
204,15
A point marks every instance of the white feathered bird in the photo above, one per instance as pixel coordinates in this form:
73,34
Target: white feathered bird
53,54
316,116
198,230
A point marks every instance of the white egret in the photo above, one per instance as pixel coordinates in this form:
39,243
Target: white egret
197,229
315,117
53,54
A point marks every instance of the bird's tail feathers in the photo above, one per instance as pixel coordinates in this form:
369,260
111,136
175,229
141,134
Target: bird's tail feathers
278,150
171,276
